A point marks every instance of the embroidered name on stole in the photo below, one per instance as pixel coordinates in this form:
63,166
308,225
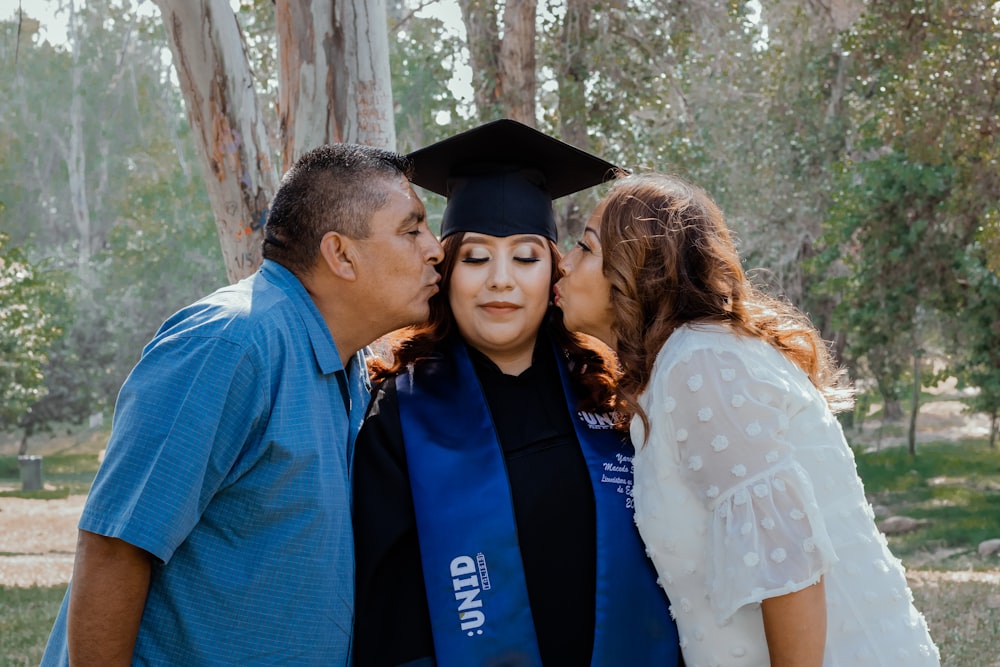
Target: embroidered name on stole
478,599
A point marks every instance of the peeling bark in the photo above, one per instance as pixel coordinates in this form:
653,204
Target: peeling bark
334,75
229,132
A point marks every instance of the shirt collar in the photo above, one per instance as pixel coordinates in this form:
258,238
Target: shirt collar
323,346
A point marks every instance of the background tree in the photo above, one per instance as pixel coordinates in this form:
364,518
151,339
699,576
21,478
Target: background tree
332,55
151,243
852,146
424,56
27,329
334,75
919,180
976,344
222,105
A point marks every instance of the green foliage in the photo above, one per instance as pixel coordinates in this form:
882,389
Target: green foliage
422,53
28,326
977,342
887,257
150,244
908,231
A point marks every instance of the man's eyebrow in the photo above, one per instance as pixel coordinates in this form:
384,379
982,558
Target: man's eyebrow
416,216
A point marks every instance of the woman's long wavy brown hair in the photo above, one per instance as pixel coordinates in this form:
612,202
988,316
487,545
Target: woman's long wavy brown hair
671,260
592,367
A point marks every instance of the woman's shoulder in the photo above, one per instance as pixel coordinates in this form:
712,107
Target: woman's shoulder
694,337
717,343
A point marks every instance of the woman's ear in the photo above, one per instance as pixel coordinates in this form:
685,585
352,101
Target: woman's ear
339,255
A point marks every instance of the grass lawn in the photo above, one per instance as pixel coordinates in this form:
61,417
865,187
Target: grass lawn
964,618
955,488
26,616
63,474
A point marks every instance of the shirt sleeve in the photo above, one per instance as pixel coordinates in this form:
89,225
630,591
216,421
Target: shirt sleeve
183,418
767,536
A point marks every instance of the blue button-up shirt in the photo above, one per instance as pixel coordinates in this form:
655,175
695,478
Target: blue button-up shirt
229,461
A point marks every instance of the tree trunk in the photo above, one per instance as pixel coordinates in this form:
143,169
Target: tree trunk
994,428
577,33
915,405
75,156
229,133
891,409
517,61
843,13
333,75
483,40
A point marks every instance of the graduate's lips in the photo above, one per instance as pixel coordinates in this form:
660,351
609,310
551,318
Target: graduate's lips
555,294
499,307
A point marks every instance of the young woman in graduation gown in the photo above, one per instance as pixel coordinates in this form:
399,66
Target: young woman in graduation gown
492,504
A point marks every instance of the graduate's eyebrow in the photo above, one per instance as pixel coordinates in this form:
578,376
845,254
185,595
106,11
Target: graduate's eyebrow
472,237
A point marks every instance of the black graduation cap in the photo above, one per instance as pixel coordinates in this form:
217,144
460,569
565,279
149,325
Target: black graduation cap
500,178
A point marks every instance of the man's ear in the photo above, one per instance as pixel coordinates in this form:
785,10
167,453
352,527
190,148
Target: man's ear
339,254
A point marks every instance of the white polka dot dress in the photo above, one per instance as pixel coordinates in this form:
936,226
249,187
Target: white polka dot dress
746,489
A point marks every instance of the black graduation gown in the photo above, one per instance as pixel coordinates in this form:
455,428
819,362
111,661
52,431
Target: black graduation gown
553,506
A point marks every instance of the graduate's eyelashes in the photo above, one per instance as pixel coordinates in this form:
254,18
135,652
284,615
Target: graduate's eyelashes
483,260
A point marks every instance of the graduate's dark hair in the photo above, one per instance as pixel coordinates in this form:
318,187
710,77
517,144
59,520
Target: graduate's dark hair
333,188
671,259
591,364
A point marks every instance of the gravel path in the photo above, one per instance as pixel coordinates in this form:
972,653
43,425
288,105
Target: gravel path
37,540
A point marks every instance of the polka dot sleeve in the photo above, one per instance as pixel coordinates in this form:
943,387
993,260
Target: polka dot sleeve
767,536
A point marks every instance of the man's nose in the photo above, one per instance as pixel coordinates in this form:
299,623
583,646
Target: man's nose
435,253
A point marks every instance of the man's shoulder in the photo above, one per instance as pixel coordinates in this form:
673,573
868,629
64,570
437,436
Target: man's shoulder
237,312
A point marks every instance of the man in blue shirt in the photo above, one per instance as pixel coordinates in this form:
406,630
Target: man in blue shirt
218,529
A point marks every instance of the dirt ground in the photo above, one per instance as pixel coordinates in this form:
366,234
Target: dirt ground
38,537
38,540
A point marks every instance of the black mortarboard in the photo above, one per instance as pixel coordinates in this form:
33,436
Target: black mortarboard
500,178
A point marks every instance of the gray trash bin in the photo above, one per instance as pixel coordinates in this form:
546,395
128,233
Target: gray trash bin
31,472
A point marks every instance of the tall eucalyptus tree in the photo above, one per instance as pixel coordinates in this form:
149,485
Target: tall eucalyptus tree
334,82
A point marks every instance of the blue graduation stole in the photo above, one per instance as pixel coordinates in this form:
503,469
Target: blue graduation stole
476,590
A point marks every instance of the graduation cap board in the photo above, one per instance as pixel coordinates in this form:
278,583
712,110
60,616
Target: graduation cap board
500,178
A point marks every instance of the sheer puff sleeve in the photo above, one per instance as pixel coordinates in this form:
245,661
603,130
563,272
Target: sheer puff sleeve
767,536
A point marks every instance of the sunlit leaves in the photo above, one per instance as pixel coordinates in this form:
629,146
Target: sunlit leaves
28,326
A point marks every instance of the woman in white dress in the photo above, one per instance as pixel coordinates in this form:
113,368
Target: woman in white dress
746,492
